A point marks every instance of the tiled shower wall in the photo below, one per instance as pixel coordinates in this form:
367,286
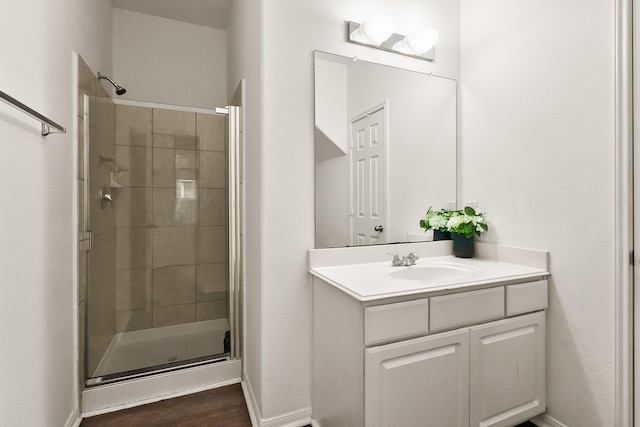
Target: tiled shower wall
171,217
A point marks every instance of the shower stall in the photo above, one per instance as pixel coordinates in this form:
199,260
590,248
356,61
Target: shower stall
159,246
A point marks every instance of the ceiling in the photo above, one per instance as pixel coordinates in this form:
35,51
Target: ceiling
210,13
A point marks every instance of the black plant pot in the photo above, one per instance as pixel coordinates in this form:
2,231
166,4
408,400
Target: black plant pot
441,235
463,247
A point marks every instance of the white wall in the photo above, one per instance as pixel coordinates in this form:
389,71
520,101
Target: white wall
538,155
169,62
292,30
38,299
244,61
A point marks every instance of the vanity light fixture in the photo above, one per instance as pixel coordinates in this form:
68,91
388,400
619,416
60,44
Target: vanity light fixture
378,33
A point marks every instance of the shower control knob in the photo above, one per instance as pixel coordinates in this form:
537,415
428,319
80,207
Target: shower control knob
105,197
378,228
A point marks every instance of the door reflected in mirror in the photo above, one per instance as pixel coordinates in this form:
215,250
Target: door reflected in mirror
385,151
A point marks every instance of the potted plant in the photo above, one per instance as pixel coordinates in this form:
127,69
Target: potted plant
437,221
464,225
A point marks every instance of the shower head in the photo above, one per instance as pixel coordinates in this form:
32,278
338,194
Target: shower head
119,89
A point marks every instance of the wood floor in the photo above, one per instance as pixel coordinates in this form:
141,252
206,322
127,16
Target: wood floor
220,407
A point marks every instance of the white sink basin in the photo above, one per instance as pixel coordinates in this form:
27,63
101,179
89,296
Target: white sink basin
434,272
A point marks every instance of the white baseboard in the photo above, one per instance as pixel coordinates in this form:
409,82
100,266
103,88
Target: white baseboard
292,419
74,419
250,399
541,421
545,420
298,418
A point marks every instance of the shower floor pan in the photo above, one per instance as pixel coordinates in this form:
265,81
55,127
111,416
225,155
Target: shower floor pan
139,353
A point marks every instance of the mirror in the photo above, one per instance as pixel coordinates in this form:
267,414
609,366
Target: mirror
385,151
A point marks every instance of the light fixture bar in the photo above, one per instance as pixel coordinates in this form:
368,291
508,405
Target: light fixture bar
387,44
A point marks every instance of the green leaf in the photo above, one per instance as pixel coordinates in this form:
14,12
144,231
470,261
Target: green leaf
469,211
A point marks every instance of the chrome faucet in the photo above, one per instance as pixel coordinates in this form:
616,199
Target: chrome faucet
404,261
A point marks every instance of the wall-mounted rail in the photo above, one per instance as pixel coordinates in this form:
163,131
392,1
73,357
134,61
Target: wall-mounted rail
48,125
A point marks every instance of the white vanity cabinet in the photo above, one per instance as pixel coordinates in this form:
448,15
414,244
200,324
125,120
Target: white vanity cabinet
507,370
418,382
473,357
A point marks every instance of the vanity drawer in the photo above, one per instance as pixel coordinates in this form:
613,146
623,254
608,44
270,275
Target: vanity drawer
526,297
452,311
383,323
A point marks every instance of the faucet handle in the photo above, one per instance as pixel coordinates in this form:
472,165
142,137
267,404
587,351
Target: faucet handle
411,259
396,261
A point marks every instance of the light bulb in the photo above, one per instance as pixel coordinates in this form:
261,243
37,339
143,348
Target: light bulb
374,31
417,42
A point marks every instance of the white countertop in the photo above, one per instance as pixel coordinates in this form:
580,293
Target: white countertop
377,280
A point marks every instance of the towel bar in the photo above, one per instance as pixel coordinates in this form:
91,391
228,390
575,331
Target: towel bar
46,123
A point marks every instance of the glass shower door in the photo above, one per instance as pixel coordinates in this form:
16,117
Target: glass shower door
160,207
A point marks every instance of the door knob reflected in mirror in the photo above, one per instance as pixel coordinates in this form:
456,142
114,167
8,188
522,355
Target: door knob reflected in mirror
378,228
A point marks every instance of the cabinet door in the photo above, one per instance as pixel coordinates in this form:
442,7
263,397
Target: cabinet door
507,371
419,382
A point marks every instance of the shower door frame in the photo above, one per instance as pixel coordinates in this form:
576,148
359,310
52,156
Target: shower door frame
235,250
236,265
627,220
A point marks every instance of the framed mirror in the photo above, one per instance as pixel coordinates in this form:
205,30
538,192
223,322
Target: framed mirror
385,151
